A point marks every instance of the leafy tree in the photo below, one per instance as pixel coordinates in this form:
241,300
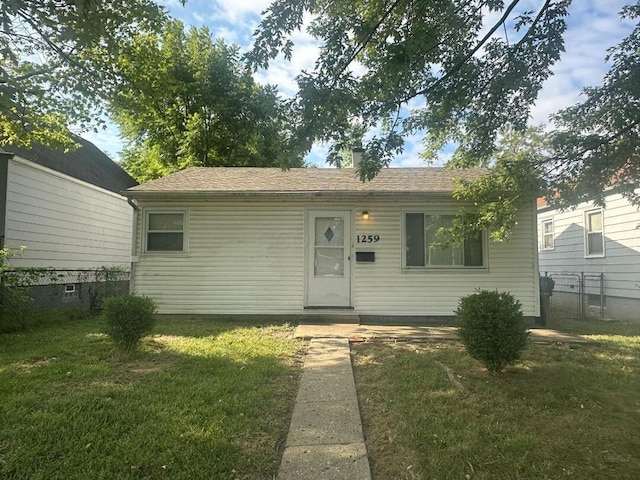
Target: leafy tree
512,182
187,100
377,56
55,63
596,145
470,71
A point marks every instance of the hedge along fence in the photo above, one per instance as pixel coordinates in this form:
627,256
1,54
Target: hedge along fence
34,295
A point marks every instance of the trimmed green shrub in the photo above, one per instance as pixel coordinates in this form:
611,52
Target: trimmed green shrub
492,328
129,318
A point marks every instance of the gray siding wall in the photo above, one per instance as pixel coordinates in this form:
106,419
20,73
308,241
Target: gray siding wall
248,257
64,222
621,261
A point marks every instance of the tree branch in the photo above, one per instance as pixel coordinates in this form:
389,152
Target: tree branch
364,43
460,63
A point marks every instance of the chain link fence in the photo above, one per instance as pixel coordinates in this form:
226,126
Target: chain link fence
576,295
35,295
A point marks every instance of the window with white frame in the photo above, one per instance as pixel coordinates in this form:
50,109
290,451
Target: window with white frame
420,234
594,233
165,231
547,234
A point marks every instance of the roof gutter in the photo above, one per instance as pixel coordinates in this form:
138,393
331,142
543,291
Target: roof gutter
5,155
263,194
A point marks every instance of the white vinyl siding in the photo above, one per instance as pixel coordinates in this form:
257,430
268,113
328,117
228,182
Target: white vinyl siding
621,266
243,257
64,222
248,257
386,288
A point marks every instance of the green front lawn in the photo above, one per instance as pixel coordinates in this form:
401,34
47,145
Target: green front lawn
565,411
201,400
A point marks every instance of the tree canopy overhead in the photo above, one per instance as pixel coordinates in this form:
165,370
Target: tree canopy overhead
596,143
55,62
468,67
462,73
187,100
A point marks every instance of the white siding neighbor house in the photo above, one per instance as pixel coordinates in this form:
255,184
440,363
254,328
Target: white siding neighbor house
267,241
64,208
595,240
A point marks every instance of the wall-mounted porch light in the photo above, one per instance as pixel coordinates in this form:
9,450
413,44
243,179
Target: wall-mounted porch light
365,215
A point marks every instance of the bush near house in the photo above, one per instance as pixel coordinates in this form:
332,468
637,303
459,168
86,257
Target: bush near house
492,327
129,318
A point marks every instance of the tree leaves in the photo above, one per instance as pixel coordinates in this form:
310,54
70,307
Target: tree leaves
597,142
187,100
377,56
461,73
56,63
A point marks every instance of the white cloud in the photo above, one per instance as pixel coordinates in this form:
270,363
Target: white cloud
593,27
235,10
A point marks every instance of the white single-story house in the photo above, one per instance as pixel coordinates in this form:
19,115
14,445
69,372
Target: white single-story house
65,208
266,241
593,240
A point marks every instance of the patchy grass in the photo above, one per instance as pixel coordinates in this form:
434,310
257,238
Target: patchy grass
564,411
595,327
30,319
201,400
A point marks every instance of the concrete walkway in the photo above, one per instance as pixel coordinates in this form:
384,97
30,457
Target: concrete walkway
400,332
325,438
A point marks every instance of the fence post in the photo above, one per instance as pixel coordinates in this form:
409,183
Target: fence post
581,303
601,296
1,298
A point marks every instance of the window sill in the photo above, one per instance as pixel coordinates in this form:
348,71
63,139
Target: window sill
165,254
445,269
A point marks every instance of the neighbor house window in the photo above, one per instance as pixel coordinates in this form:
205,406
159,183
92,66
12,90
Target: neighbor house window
594,234
70,290
547,235
420,235
165,231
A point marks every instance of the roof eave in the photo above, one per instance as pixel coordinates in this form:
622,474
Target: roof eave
289,194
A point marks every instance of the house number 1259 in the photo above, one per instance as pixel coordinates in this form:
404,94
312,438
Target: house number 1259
367,238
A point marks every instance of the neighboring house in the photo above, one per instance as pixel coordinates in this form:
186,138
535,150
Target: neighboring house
267,241
64,208
594,240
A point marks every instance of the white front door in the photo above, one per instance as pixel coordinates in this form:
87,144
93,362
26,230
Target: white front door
329,258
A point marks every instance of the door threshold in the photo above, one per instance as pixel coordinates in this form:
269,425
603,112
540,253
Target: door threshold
329,308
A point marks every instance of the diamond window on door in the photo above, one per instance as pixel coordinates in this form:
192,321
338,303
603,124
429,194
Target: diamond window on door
329,247
329,234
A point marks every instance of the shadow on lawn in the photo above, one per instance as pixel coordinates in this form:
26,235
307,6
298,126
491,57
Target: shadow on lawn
563,408
195,402
208,325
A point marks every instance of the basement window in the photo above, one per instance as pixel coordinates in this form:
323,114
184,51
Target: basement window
69,290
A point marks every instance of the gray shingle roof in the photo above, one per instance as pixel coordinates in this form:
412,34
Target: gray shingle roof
237,180
87,163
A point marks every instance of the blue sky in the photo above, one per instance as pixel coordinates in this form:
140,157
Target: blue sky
594,26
